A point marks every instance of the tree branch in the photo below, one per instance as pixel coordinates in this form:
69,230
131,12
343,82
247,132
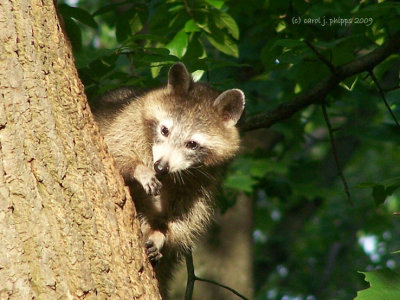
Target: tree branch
318,93
335,155
382,93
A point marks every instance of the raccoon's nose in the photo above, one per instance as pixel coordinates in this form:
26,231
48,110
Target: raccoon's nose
160,168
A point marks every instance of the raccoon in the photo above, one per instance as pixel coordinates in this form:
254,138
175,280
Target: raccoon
169,145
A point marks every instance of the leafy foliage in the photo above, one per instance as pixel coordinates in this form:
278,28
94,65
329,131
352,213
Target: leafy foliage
308,239
382,190
150,35
385,284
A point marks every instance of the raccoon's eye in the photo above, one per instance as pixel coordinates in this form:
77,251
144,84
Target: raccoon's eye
192,145
164,131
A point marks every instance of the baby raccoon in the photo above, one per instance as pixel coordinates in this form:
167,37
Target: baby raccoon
169,145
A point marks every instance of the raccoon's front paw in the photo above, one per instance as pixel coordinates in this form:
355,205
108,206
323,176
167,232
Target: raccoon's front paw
147,178
152,252
153,186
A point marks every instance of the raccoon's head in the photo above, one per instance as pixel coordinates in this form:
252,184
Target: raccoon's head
195,125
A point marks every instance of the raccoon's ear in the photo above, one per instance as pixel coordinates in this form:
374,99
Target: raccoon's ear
230,105
179,79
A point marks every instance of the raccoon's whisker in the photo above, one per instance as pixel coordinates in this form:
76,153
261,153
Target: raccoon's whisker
195,170
176,176
205,173
189,172
173,177
180,175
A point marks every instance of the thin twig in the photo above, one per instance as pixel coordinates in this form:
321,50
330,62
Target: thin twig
191,277
335,155
188,10
223,286
382,93
321,57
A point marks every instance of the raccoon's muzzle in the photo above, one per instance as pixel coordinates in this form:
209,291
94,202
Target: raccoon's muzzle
161,168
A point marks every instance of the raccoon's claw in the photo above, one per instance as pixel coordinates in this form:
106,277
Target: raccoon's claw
152,252
153,187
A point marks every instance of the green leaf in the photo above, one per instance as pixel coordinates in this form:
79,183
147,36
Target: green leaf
383,189
155,70
378,9
310,73
159,51
195,50
179,43
387,65
84,58
177,8
260,167
214,64
202,21
366,185
122,28
337,42
102,65
190,26
135,24
223,20
146,37
350,82
77,13
196,75
392,186
223,42
107,8
289,43
240,181
216,3
379,194
158,21
145,58
74,33
384,284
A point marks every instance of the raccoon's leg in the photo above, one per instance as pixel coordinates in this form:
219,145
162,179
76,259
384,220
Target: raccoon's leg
182,232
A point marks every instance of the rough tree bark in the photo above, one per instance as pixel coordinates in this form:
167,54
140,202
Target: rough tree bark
67,224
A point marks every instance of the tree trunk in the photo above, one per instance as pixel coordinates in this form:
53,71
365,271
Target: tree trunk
67,224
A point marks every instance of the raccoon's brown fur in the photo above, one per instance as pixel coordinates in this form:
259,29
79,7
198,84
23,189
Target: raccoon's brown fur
173,195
